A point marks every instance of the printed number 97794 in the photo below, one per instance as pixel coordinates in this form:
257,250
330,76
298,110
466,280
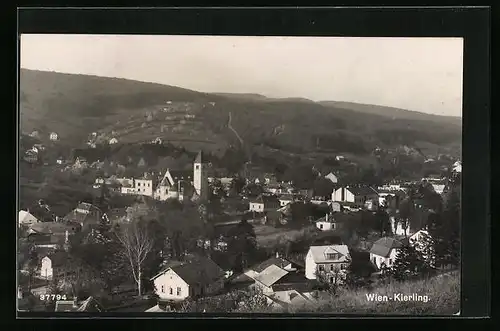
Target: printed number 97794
52,297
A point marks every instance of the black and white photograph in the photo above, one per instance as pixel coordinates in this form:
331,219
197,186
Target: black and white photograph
239,174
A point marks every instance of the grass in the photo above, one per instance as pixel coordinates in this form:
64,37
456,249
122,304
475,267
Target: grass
268,236
443,292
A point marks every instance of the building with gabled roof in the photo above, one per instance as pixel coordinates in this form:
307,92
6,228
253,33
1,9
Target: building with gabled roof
384,252
197,277
264,203
357,195
327,259
25,218
85,214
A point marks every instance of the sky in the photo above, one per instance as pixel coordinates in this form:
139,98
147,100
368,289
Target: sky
420,74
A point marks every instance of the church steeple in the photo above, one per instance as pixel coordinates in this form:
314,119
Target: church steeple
200,179
199,158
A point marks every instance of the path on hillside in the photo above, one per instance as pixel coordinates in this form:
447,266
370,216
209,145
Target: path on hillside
232,129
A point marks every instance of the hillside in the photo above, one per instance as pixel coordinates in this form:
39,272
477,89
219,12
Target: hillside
74,106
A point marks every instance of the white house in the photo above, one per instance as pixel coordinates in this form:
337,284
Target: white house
327,259
197,278
175,184
332,177
25,218
384,252
145,185
358,196
326,223
457,167
286,199
264,203
53,136
113,141
51,264
438,188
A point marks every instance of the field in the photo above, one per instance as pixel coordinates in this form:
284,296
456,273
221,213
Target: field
442,291
268,236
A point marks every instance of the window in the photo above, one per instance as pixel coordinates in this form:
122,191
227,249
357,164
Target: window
171,291
332,256
321,267
149,184
390,261
162,289
138,184
331,280
331,267
197,167
342,266
321,226
178,291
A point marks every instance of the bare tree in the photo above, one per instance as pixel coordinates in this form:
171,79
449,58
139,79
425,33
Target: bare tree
137,243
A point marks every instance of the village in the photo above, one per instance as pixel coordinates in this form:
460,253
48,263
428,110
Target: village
186,235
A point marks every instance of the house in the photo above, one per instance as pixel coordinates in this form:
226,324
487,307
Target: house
332,177
384,252
141,163
248,276
339,157
116,216
85,214
80,162
457,167
113,141
335,206
145,185
329,260
35,134
390,198
88,305
157,140
357,195
286,199
25,218
53,136
277,280
31,156
52,265
196,278
285,300
326,223
438,188
264,203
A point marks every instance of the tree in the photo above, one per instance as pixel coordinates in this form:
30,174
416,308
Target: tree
406,210
382,222
237,185
137,243
242,244
425,248
407,264
79,276
331,280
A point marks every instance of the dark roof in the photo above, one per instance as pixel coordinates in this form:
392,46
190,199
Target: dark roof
53,227
89,305
86,206
277,261
181,174
383,246
199,270
199,158
300,286
266,199
362,190
58,258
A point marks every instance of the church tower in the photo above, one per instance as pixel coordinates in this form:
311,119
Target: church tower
200,180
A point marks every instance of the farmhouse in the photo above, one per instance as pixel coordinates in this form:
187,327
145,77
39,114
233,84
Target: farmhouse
326,223
384,252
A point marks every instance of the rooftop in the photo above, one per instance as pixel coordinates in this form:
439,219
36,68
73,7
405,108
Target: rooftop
384,246
320,253
271,275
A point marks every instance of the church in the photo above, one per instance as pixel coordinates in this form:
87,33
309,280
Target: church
181,185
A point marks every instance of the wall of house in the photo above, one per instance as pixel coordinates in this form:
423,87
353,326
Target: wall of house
388,261
310,271
46,270
255,206
284,202
128,190
337,195
168,284
164,193
331,267
144,187
325,226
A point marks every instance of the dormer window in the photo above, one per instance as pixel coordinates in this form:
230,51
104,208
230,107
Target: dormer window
332,256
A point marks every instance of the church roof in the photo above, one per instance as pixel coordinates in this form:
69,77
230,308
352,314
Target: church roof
199,157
